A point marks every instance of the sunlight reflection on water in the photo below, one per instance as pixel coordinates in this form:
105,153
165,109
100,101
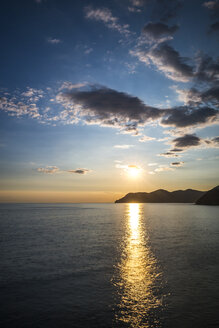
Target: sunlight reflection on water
138,274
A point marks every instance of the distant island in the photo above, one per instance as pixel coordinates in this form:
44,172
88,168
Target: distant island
210,197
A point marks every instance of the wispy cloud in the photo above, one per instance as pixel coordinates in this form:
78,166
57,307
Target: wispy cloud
152,164
105,16
123,146
212,5
146,138
53,40
48,169
134,9
88,51
54,169
163,169
71,86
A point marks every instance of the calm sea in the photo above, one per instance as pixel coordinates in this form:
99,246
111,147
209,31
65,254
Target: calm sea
109,265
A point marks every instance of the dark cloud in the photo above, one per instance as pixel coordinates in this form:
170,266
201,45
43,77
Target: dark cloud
188,140
208,96
187,116
167,60
191,140
177,163
169,154
207,69
176,149
171,59
156,31
79,171
211,95
216,140
109,107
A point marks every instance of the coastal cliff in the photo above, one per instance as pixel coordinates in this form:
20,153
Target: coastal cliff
163,196
209,198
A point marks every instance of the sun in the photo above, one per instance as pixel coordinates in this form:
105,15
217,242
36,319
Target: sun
133,171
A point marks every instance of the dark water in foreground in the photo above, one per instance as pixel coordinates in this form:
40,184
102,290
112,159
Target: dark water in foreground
109,265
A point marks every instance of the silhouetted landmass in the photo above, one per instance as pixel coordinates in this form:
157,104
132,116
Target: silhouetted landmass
163,196
211,197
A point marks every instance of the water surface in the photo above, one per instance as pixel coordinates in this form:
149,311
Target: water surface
109,265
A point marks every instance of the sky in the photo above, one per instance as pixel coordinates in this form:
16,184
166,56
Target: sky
102,98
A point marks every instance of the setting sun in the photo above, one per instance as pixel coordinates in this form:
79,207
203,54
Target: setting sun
133,171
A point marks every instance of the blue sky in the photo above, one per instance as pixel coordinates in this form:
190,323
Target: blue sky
99,98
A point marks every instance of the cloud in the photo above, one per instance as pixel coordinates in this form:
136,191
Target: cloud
152,164
48,169
70,86
208,96
215,140
138,3
128,168
167,60
15,107
134,10
146,138
177,164
88,51
108,107
186,141
32,95
163,169
55,169
169,154
157,31
123,146
212,6
105,16
53,40
207,69
187,116
79,171
99,105
176,149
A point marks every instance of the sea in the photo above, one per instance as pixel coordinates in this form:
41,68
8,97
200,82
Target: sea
109,265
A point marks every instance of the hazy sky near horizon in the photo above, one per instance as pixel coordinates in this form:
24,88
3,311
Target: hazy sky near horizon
100,98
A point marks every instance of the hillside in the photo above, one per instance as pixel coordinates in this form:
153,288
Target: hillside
209,198
162,196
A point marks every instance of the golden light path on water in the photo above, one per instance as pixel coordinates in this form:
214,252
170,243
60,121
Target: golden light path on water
138,274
